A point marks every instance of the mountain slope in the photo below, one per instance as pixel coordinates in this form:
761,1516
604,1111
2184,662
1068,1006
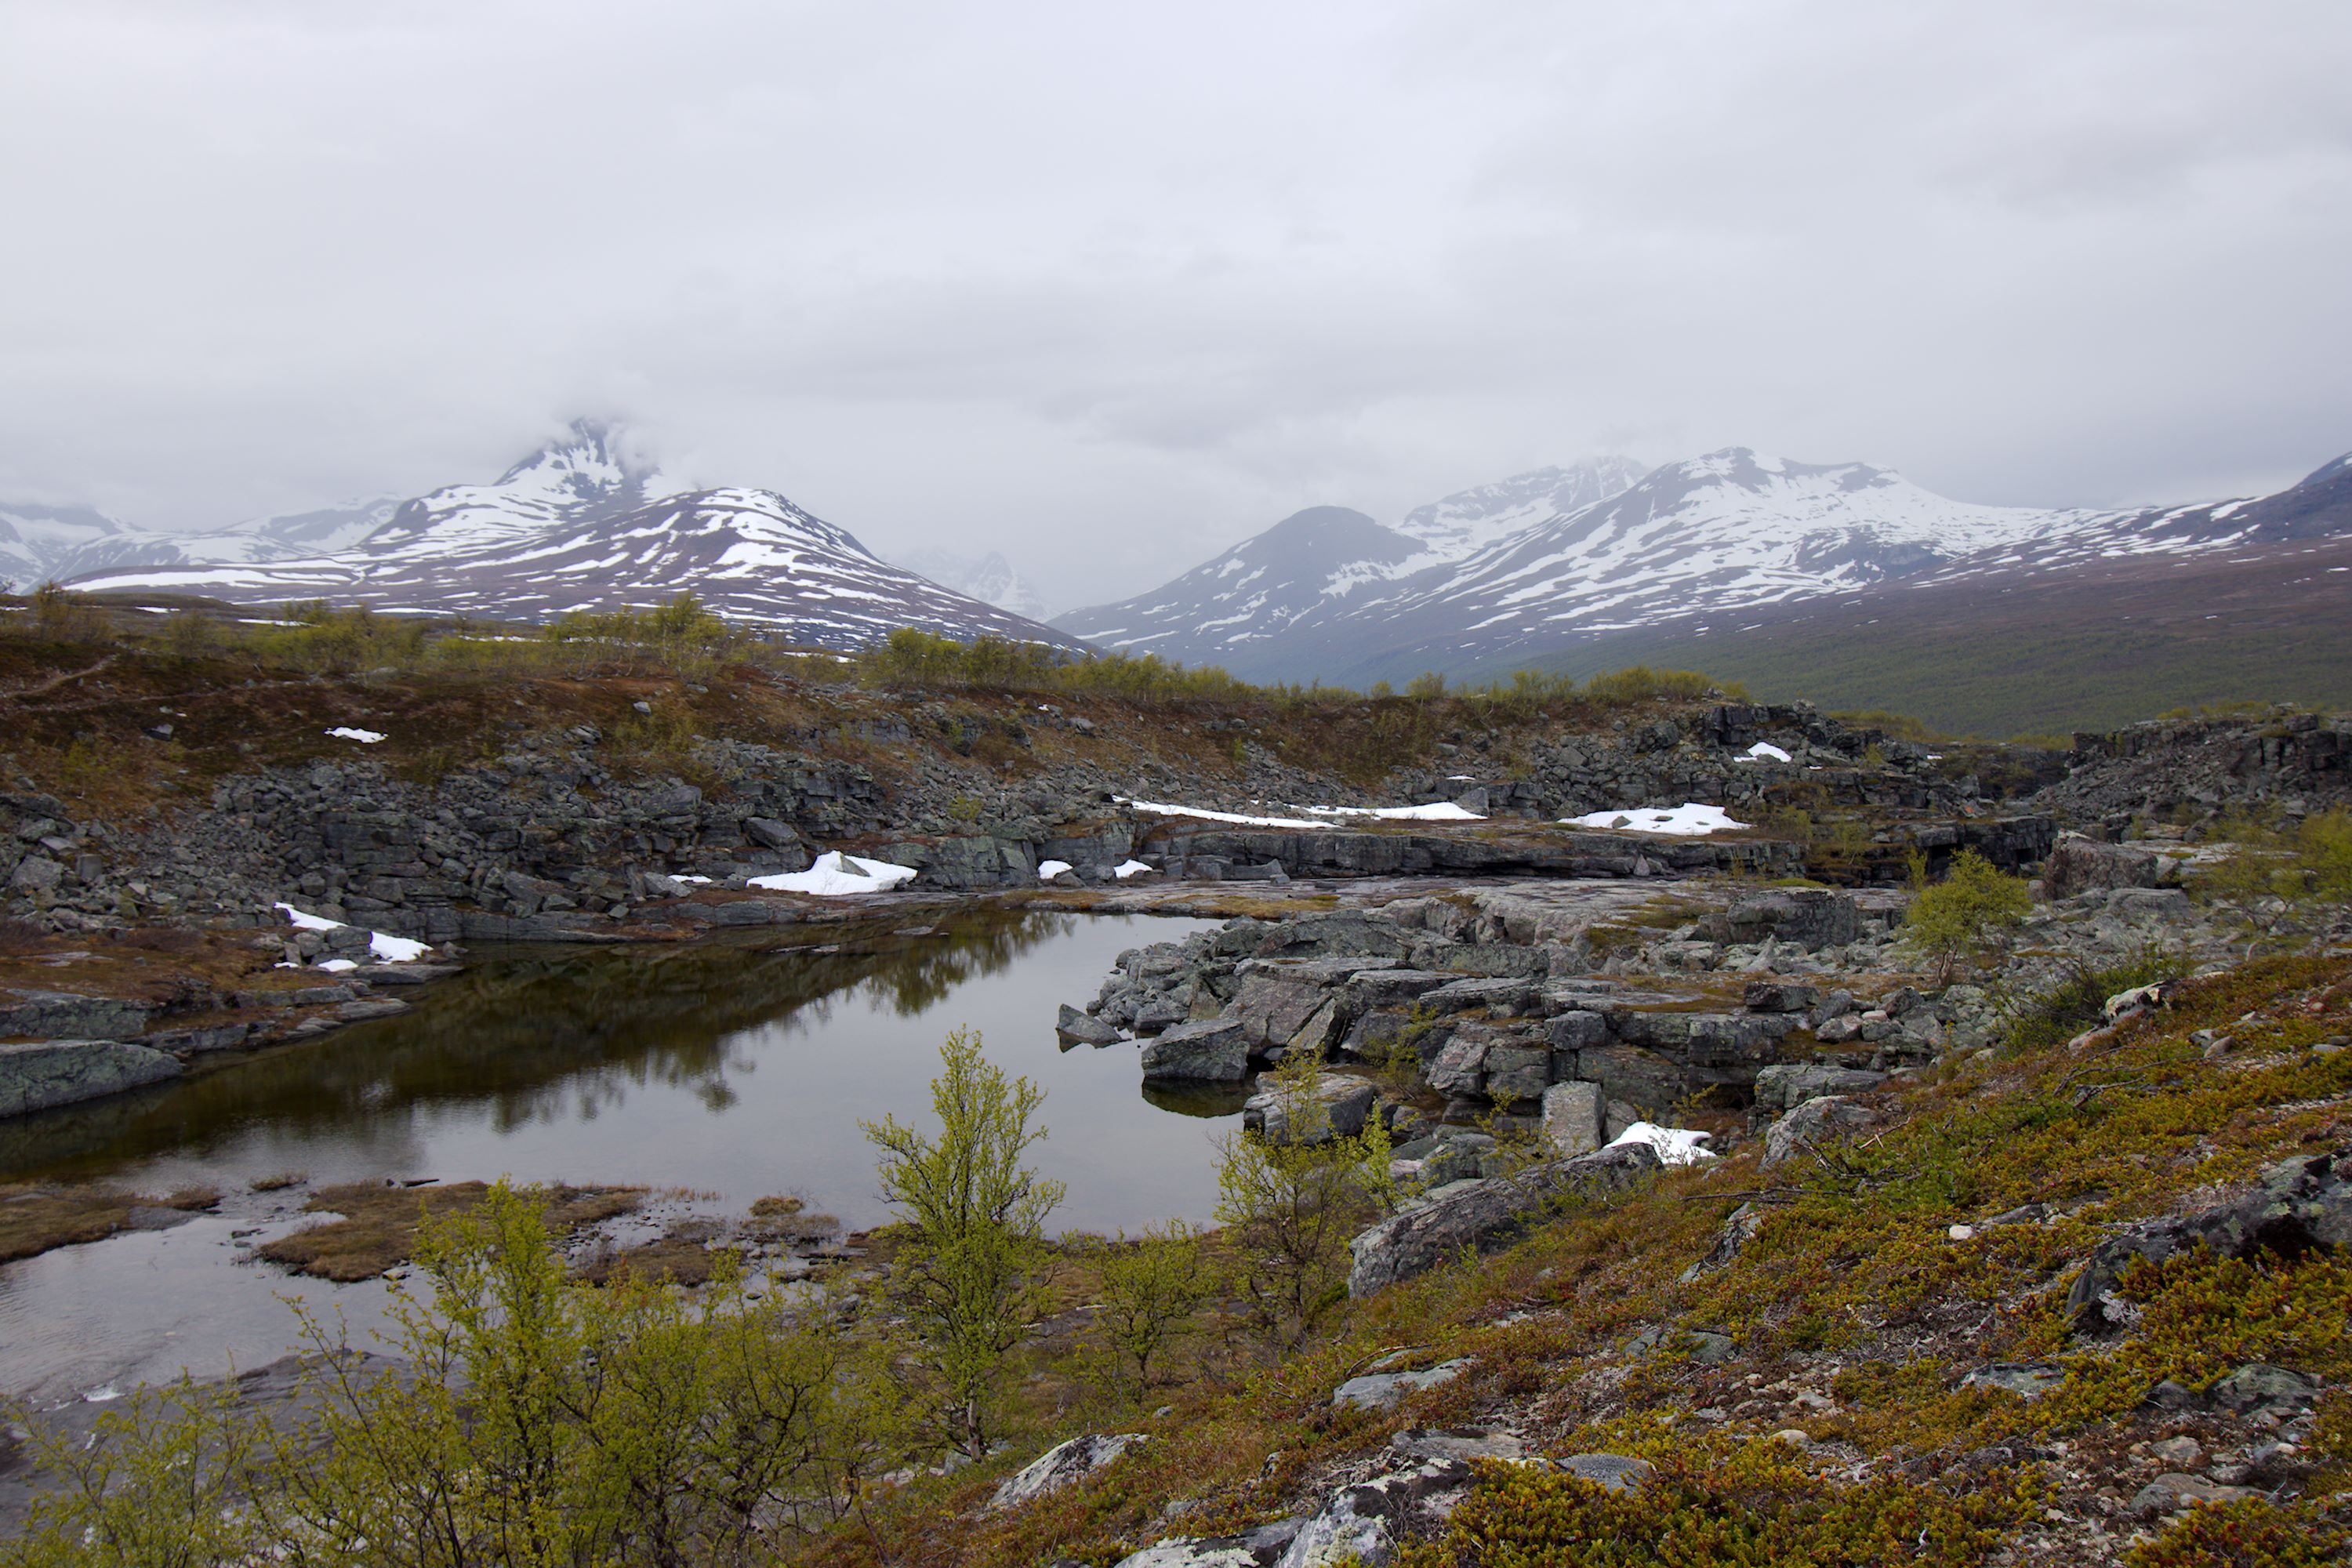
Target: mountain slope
582,525
1316,563
1720,544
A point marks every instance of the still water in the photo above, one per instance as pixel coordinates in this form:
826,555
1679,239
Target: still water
733,1068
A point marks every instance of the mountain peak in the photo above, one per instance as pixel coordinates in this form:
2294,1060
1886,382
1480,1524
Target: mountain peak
1469,519
592,459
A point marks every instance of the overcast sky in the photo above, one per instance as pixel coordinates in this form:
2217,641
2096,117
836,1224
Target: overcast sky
1110,287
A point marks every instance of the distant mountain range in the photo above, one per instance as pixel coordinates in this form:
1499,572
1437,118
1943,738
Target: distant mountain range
1561,565
578,525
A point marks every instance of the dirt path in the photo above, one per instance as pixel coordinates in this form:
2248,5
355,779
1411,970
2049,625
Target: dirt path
53,682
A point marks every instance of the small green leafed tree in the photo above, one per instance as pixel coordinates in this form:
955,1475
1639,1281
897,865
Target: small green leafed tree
1966,917
970,1274
1291,1203
1152,1288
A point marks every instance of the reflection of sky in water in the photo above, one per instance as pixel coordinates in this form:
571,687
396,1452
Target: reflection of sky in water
720,1069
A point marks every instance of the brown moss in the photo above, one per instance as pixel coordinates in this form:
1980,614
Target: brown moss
376,1226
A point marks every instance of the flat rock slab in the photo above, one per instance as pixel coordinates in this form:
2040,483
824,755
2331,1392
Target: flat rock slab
1213,1049
1387,1390
1059,1465
1483,1215
38,1074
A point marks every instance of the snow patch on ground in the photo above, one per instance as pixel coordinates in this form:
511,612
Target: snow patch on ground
1049,870
1157,808
1764,751
386,947
364,737
1438,811
836,875
1676,1145
1127,869
1688,820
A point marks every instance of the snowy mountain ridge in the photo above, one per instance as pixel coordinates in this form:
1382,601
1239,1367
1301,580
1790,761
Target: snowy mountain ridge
584,524
1725,530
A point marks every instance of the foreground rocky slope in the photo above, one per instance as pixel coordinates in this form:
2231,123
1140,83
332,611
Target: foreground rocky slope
2066,1284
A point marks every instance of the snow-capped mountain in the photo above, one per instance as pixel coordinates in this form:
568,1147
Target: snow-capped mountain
1258,590
583,524
44,544
990,579
1471,519
1731,531
1322,561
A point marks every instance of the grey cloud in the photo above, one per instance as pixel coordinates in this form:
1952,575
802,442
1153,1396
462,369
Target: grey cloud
1107,289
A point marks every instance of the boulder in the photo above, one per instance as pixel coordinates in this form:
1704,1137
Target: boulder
1573,1117
2078,865
1777,996
2297,1205
1816,1124
1213,1049
1342,1106
1061,1465
1259,1548
1784,1085
1073,1027
1387,1390
1486,1215
1362,1525
1810,918
39,1074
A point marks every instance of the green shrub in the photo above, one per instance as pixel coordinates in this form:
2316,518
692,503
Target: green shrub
1967,917
969,1273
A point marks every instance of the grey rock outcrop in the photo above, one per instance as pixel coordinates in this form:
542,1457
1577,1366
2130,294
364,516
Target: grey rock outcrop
1387,1390
2297,1205
1573,1119
38,1074
1214,1050
1059,1465
1816,1124
1363,1525
1483,1215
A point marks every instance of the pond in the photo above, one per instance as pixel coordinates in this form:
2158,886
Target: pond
733,1068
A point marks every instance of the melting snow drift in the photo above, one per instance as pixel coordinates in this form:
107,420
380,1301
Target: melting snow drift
1689,820
835,875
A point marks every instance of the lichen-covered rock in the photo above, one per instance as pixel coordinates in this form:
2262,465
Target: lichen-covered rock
1784,1085
38,1074
1816,1124
2296,1206
1059,1465
1340,1107
1363,1525
1483,1215
1213,1049
2079,864
1573,1118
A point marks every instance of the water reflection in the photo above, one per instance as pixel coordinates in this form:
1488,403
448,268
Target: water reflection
738,1066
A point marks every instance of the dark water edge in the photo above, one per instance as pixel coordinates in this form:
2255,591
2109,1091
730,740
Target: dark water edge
733,1068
